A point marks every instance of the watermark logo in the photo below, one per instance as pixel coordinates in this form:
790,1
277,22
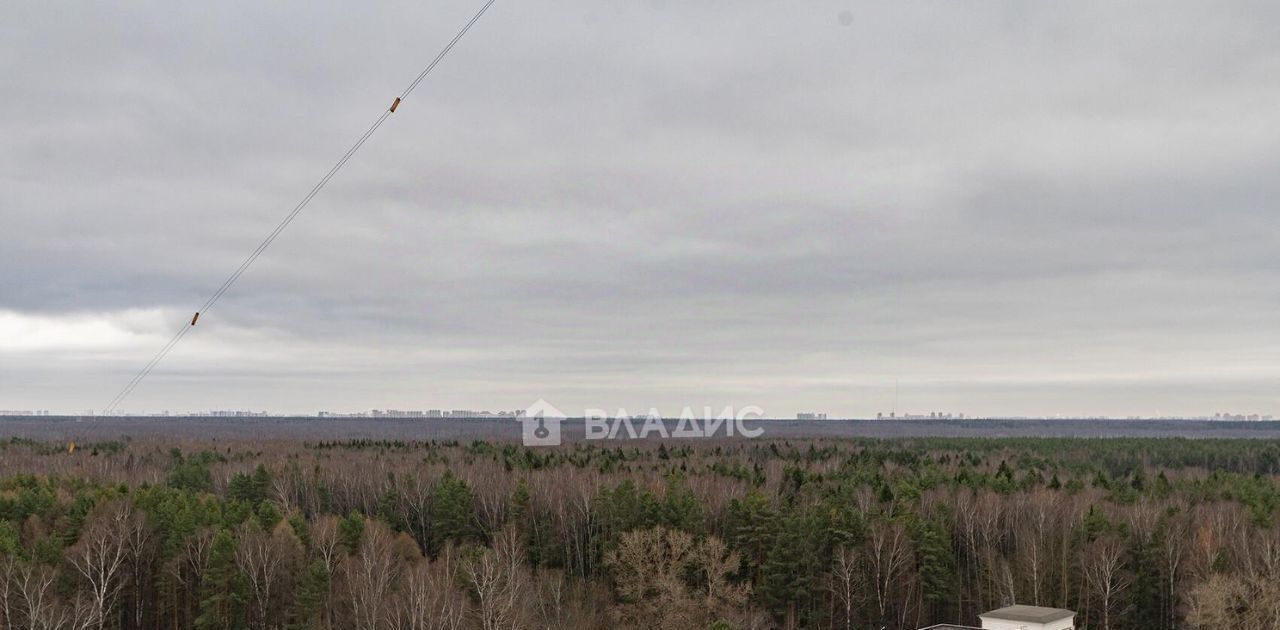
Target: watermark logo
541,424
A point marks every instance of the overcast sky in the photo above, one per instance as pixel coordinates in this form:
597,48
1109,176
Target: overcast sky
1002,208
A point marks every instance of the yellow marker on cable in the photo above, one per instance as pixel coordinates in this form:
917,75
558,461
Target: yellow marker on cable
288,218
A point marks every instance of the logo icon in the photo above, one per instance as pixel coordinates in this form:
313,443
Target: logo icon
541,424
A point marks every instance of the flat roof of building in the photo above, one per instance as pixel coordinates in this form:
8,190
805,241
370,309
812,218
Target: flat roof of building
1029,614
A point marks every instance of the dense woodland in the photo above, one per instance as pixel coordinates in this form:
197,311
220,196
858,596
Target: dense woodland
852,533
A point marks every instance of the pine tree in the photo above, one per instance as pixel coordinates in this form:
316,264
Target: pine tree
222,589
261,482
452,513
681,509
10,544
302,530
268,515
520,503
250,488
788,584
936,566
1144,591
521,517
351,530
751,524
308,601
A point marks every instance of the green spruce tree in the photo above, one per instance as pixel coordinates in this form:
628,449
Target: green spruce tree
222,592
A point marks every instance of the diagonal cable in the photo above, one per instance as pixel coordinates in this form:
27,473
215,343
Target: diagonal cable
284,223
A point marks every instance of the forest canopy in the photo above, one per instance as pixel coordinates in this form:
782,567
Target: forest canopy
849,533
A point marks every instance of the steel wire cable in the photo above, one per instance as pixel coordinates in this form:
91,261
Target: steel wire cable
284,223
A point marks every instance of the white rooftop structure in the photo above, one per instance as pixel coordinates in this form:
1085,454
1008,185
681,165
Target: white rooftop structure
1019,617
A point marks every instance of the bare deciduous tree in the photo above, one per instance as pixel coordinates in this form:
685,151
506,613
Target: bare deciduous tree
373,571
187,567
267,561
1235,602
428,599
41,607
1103,567
101,554
8,584
888,558
651,568
499,581
845,583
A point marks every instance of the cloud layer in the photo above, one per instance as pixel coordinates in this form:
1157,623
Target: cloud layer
993,208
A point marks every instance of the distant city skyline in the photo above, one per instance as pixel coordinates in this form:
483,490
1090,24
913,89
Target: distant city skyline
441,414
1001,209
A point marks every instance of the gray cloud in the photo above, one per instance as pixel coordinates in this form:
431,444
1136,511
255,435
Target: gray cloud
1001,207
